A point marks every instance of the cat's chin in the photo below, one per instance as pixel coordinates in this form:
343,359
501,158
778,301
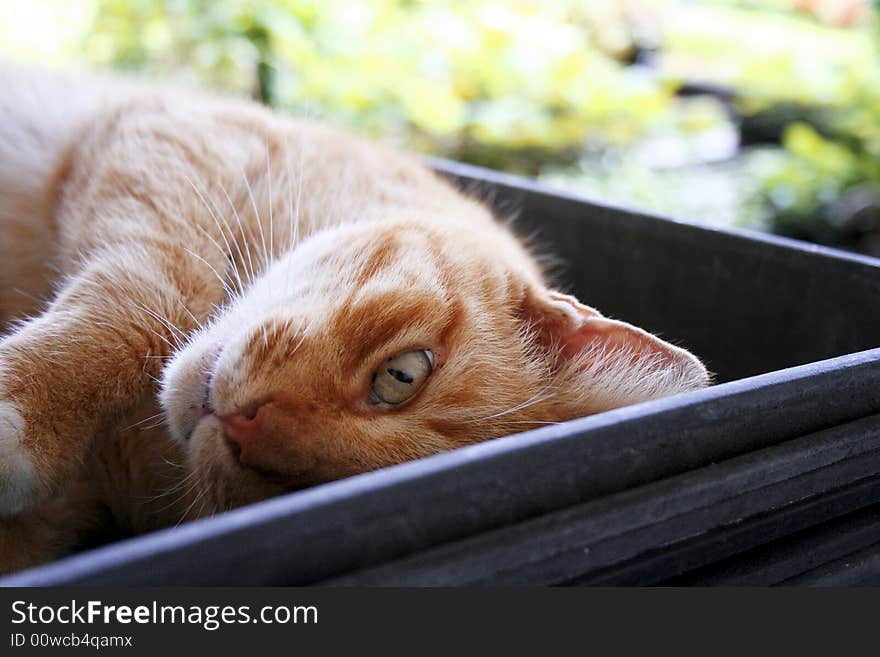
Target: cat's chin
223,482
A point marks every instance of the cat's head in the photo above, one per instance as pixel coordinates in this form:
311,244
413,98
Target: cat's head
372,344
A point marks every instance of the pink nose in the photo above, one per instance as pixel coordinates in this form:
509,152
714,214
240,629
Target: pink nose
244,429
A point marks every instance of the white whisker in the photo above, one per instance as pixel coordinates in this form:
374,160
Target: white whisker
244,237
146,419
219,278
271,201
257,217
214,216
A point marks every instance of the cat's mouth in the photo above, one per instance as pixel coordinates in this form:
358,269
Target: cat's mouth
202,405
207,406
233,448
213,359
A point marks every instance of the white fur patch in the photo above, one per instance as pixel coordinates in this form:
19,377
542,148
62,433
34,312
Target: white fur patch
16,468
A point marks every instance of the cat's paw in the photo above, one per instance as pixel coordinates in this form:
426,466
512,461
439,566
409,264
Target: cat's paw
17,477
48,418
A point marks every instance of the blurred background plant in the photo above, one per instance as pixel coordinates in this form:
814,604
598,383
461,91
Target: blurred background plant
763,114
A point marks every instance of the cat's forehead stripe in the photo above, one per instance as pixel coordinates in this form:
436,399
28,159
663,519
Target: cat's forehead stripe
373,322
379,258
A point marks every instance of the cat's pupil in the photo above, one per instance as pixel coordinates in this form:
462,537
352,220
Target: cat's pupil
403,377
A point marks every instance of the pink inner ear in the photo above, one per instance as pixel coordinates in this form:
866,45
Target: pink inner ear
613,335
565,322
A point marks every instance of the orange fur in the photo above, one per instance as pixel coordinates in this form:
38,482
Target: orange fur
262,269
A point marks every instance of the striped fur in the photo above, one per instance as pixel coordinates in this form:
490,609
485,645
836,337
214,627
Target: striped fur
165,252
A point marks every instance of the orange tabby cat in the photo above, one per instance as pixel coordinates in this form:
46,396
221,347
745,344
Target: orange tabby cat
308,306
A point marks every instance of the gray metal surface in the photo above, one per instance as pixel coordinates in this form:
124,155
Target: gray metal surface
715,502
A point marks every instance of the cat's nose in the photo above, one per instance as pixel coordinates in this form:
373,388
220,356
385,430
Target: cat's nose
243,429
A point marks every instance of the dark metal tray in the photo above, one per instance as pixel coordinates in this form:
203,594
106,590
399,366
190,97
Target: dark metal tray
773,476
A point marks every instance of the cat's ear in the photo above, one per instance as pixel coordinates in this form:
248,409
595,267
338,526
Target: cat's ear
580,340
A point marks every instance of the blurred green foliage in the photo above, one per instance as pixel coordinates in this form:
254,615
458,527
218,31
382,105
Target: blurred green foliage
581,94
509,85
824,183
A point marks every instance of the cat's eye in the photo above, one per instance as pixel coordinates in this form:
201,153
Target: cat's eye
400,377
